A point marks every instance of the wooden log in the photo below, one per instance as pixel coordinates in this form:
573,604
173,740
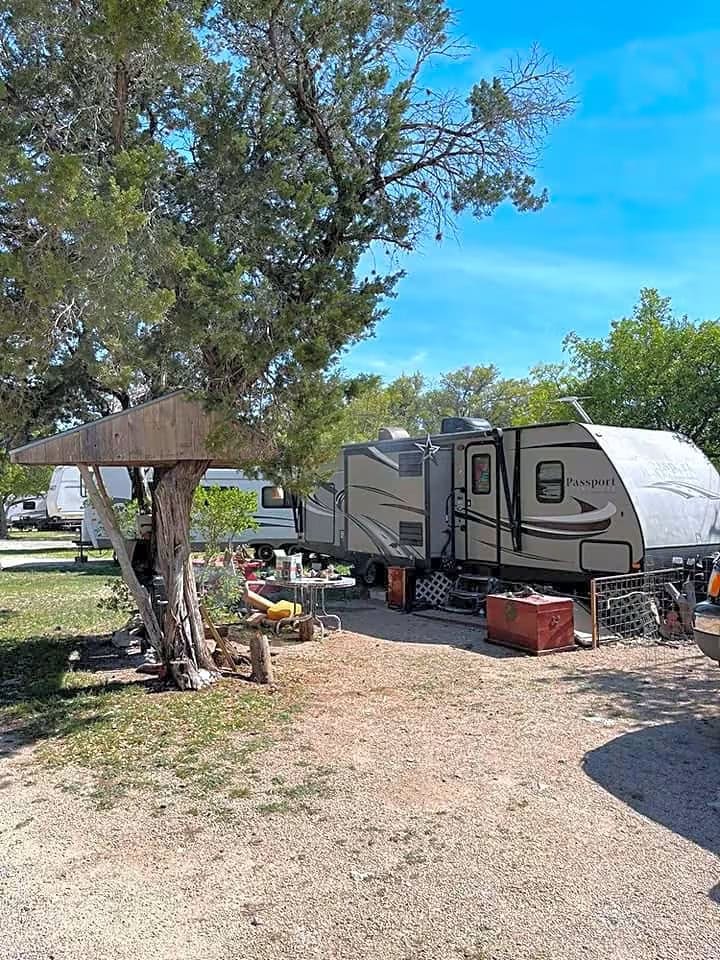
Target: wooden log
218,638
255,618
262,671
306,629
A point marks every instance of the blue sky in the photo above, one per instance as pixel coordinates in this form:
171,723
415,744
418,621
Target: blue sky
633,178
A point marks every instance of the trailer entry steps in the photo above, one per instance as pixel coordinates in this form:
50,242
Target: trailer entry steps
467,595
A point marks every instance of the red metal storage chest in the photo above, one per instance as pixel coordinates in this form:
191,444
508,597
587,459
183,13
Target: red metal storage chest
536,624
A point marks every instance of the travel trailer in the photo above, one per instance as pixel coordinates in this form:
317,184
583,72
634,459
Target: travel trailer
559,502
65,499
27,513
274,515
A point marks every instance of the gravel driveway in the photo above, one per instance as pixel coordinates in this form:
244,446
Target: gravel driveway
451,800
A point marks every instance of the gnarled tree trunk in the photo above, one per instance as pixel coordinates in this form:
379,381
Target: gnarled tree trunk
179,638
184,647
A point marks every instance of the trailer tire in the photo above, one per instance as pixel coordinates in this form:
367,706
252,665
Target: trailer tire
264,552
372,574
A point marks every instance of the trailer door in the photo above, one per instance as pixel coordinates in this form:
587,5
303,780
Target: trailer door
319,515
476,498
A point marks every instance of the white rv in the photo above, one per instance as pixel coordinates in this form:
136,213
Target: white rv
552,502
28,513
65,499
274,515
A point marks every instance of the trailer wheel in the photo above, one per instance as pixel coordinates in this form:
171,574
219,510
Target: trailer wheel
372,574
264,552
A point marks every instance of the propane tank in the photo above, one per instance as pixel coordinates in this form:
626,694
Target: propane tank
706,617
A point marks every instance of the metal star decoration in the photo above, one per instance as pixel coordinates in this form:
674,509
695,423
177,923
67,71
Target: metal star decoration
428,449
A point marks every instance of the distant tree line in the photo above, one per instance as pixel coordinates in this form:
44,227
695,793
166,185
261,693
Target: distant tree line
654,369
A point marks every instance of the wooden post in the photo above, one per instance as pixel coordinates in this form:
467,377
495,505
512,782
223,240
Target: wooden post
593,614
260,658
306,628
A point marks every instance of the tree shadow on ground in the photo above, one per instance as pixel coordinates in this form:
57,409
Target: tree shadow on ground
660,689
669,773
41,698
95,568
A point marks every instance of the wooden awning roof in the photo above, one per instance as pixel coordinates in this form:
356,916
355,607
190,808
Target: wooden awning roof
156,433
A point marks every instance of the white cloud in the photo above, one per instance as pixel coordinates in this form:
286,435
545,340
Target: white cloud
554,272
648,71
388,367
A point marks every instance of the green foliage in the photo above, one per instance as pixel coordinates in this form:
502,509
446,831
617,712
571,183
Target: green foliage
219,514
188,190
419,404
127,514
473,391
221,592
654,369
540,391
117,597
17,480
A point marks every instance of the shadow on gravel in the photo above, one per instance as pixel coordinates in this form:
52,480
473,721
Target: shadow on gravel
669,773
95,568
656,691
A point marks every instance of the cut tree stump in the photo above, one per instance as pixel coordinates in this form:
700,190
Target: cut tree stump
306,629
262,671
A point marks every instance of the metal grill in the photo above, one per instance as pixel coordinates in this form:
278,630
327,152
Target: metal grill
410,464
642,607
410,534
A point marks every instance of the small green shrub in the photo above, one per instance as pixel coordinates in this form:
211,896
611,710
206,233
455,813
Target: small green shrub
219,514
221,592
117,598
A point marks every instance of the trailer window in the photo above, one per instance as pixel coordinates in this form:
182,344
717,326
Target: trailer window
28,504
410,464
481,482
270,501
550,481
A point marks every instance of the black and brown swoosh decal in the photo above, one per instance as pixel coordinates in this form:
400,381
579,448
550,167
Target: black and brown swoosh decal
590,520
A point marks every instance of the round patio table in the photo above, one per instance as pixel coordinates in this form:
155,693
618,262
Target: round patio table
310,593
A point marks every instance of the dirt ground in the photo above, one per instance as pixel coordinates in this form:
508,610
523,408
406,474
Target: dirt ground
463,802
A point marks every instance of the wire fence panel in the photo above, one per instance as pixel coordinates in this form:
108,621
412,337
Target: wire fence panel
651,607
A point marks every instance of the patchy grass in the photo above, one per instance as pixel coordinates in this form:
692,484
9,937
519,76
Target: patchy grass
108,732
283,797
40,605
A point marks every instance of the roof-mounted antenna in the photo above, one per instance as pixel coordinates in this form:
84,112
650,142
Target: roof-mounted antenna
577,407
